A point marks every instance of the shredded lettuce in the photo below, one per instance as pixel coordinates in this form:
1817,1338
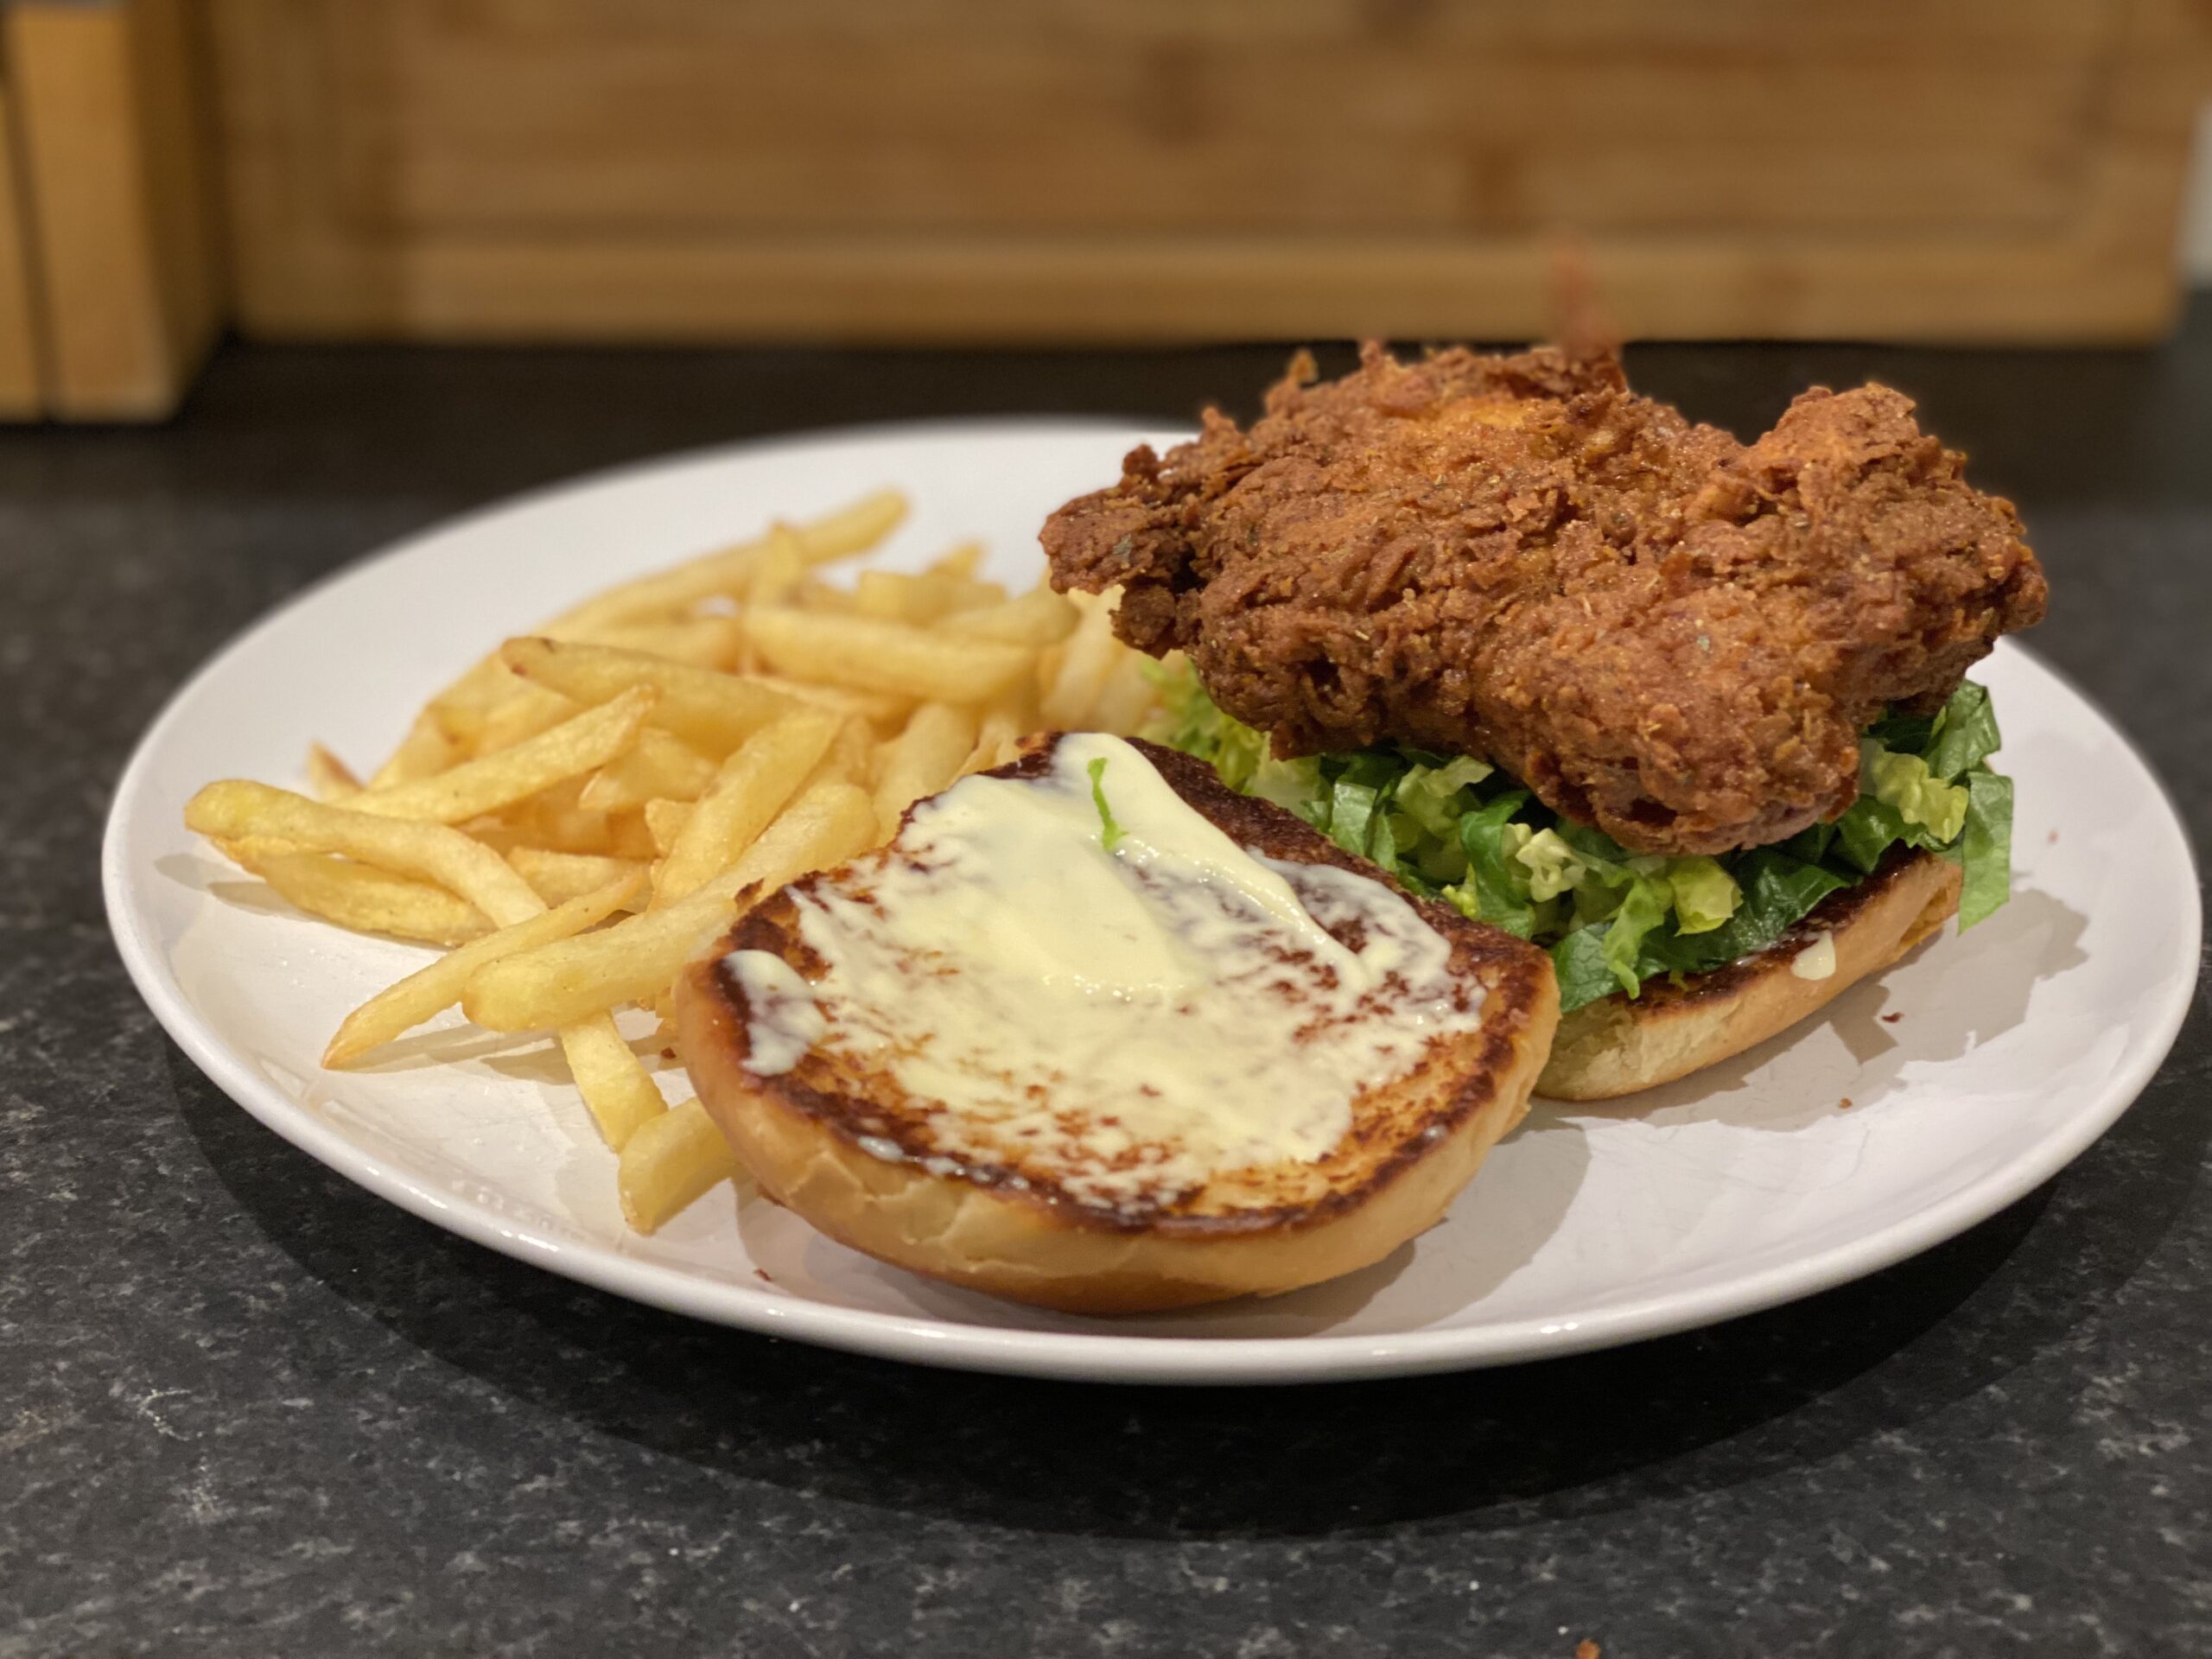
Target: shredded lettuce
1583,974
1906,783
1190,721
1985,847
1706,895
1779,890
1459,830
1964,735
1927,782
1495,889
1640,913
1553,866
1109,833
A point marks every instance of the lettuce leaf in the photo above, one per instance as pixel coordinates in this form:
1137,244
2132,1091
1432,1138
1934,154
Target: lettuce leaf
1109,833
1293,784
1907,783
1496,887
1906,733
1640,911
1430,795
1867,829
1965,735
1706,895
1779,892
1985,847
1351,815
1458,829
1902,797
1553,867
1190,720
1585,976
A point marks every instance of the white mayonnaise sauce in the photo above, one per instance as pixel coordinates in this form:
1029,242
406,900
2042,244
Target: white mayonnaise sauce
784,1018
1816,960
1125,1023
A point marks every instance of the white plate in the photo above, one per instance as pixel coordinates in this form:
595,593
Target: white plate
2011,1050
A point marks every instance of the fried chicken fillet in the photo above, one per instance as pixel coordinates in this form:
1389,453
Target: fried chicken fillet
1661,630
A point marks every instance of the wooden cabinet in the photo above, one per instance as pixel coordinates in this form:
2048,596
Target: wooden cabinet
109,288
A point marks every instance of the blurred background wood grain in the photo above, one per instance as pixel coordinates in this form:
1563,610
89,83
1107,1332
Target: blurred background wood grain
1102,170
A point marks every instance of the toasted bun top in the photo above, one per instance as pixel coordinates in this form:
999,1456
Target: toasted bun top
1393,1125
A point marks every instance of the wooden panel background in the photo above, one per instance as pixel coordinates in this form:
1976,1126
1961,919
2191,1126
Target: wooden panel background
1130,169
22,394
113,201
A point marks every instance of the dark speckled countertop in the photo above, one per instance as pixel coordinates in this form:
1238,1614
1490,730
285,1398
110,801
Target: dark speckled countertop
245,1409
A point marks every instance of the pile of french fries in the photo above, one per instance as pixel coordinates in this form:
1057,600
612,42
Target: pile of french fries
591,805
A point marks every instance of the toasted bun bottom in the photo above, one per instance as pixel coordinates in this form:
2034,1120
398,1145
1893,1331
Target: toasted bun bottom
1616,1046
1058,1255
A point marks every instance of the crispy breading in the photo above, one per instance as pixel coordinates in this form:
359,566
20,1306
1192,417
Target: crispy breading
1663,632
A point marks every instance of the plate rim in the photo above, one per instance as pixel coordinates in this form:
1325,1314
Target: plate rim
1076,1356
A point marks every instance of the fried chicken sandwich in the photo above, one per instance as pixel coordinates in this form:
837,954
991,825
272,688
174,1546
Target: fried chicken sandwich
1690,713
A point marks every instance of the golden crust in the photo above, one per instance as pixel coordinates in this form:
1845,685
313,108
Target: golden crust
1413,1146
1616,1046
1644,621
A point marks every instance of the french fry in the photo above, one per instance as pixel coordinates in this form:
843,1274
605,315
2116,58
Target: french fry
670,1163
658,766
852,529
522,714
1090,654
712,712
586,808
884,656
461,710
781,570
1004,722
664,822
237,810
620,1095
1039,617
558,877
360,896
555,828
634,960
400,1008
702,641
877,708
962,560
813,595
427,750
331,778
921,599
1127,699
750,788
850,760
889,595
923,759
555,821
849,530
627,836
475,787
997,740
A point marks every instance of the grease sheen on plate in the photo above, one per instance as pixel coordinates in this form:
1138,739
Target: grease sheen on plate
1740,1188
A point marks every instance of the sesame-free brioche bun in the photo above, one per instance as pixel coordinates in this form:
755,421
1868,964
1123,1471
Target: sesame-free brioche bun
1414,1143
